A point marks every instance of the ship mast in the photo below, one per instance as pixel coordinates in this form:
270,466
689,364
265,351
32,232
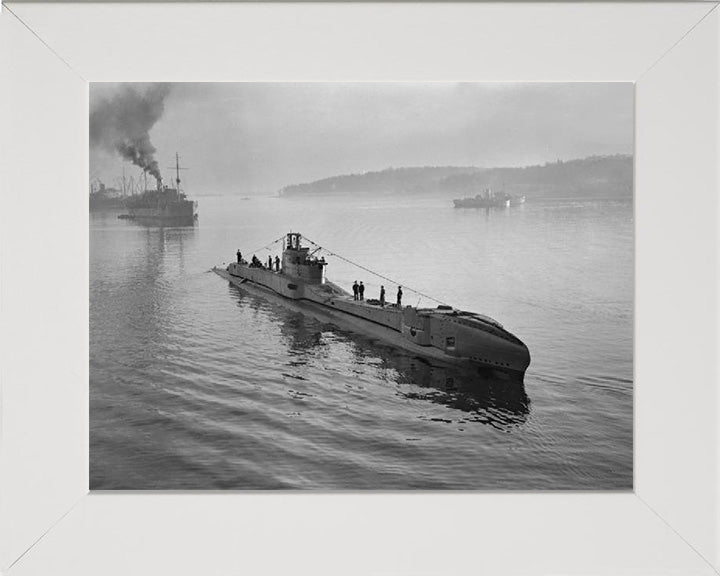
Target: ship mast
177,168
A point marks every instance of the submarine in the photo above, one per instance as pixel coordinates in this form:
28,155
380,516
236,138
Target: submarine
443,333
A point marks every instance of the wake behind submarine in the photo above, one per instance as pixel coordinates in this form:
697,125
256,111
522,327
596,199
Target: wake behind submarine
442,333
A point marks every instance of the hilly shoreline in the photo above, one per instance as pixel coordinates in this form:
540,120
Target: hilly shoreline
591,177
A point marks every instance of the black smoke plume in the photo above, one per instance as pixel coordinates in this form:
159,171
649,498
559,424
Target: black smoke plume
123,122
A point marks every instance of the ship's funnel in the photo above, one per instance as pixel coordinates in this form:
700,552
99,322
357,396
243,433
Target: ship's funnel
159,183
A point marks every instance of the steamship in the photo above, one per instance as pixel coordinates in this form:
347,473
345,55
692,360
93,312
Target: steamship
442,333
102,197
163,203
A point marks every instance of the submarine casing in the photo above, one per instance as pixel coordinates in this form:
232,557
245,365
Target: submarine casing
443,334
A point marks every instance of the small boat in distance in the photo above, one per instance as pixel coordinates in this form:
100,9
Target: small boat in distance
489,199
442,333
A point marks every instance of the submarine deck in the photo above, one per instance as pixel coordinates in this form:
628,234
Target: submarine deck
346,313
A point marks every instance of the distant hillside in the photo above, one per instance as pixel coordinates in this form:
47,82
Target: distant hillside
389,181
596,176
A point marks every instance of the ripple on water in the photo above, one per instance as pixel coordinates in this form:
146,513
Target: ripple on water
196,384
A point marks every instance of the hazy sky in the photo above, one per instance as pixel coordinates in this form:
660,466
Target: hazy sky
250,138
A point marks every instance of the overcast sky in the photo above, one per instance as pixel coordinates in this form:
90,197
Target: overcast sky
251,138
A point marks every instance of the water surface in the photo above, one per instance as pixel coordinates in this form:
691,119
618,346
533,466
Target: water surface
197,384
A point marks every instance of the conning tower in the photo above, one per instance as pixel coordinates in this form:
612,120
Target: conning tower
298,262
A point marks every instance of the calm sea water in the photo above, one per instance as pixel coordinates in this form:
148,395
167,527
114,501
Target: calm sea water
196,384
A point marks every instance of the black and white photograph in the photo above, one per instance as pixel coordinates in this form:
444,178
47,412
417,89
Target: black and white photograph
361,286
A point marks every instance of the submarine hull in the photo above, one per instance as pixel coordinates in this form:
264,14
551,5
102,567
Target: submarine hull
441,336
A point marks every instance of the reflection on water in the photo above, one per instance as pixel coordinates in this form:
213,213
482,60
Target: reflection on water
486,396
175,222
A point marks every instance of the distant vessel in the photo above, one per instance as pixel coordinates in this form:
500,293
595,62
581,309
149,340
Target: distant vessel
489,199
163,203
105,198
441,333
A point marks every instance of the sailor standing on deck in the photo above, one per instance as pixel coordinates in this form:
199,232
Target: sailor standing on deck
399,296
239,256
355,290
382,296
270,263
361,290
277,263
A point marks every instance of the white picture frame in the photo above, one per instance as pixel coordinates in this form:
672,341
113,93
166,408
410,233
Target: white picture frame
51,524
